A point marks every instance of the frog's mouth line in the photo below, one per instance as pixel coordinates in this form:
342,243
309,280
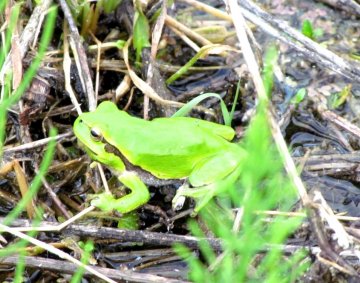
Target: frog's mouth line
86,148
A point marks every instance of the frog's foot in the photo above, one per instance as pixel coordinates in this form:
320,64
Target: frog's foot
103,201
179,199
202,196
138,196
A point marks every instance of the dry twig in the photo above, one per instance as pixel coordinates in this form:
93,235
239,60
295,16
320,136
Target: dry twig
27,35
80,56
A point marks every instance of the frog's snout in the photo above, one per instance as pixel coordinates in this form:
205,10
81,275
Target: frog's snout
78,124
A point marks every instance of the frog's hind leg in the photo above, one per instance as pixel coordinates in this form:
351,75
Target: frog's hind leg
212,176
204,194
217,167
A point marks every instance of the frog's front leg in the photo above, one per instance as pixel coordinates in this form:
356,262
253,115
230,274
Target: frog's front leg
138,196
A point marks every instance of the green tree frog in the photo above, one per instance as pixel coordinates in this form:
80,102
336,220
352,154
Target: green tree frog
200,152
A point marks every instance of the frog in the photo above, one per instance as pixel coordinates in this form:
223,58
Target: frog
197,152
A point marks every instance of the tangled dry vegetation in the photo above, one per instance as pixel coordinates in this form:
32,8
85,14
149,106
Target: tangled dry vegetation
92,57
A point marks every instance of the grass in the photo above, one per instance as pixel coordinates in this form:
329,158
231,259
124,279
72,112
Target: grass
247,237
249,252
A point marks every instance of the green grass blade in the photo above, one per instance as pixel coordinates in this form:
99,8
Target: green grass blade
271,57
29,74
31,71
2,5
235,100
183,111
88,248
200,54
20,268
12,24
36,183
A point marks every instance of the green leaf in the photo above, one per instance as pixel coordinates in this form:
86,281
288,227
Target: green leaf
110,5
339,98
129,221
299,96
307,29
141,34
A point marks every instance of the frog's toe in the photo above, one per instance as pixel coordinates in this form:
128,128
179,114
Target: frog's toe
201,195
91,197
103,202
178,202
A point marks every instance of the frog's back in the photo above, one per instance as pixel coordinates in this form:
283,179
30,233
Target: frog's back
223,131
166,143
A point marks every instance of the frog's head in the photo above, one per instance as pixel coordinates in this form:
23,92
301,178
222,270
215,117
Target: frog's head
91,129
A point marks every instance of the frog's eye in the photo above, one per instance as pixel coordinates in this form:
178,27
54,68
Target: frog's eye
96,134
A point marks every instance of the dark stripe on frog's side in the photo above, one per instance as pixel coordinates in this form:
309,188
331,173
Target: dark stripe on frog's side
145,176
